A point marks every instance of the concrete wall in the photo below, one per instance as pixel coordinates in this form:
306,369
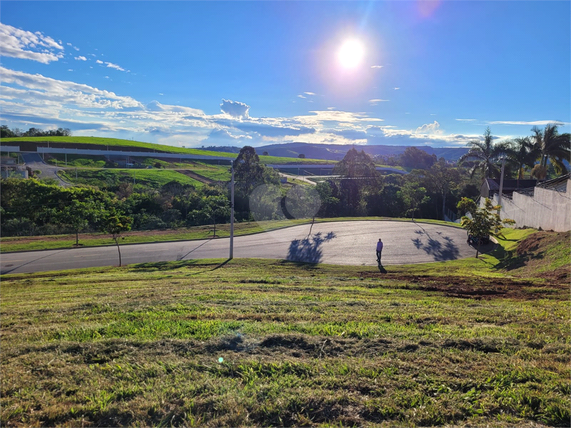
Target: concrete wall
548,209
4,148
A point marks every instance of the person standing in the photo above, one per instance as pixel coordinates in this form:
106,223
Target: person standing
379,250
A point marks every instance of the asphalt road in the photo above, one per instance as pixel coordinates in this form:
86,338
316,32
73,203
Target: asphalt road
344,243
35,161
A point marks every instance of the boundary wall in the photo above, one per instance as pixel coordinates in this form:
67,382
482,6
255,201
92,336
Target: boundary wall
548,209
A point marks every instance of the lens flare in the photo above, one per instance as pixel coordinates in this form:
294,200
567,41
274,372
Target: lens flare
351,54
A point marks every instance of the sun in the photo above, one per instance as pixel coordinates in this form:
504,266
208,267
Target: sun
351,53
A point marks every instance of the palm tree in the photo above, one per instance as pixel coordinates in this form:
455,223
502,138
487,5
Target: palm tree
552,147
520,153
484,154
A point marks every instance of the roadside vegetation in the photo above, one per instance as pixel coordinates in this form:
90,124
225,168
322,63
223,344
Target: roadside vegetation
472,342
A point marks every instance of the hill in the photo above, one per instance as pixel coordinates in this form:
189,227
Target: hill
256,343
337,152
99,143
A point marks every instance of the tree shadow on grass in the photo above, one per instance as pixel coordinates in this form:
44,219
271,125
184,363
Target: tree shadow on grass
308,250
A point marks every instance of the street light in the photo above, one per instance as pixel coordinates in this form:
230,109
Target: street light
232,211
501,183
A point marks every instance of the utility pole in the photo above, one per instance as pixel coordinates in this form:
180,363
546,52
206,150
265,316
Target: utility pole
501,184
232,211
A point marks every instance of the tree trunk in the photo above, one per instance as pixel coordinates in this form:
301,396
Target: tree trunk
76,237
116,239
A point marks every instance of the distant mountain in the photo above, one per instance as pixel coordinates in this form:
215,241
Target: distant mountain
337,152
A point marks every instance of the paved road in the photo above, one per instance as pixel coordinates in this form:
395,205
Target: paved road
35,161
344,243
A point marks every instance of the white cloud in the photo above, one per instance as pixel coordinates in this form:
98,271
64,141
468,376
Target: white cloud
301,96
429,128
465,120
528,123
65,91
376,101
236,109
396,89
309,93
99,61
377,66
114,66
23,44
80,58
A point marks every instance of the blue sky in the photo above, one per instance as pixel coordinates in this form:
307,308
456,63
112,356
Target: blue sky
253,73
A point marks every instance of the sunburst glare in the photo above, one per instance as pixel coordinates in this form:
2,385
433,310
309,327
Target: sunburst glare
351,53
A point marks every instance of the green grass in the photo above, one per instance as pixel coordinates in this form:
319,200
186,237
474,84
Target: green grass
113,177
258,343
115,142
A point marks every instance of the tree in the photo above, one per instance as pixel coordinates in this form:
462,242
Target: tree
441,179
249,173
359,178
482,222
79,215
552,147
521,152
301,156
484,154
115,223
416,158
412,195
5,132
211,209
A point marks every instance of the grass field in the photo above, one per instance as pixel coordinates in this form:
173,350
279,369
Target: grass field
113,177
254,342
115,142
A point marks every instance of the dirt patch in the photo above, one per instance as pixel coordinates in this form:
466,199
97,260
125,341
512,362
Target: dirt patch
195,176
477,288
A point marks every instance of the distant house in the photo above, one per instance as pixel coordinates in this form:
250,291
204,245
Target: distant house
491,187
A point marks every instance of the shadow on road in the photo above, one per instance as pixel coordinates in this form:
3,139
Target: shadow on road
308,250
440,251
13,268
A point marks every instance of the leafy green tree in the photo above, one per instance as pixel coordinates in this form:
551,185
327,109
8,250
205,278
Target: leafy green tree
482,222
359,179
412,195
249,173
211,209
484,156
115,223
6,132
416,158
329,202
552,147
521,153
442,179
79,215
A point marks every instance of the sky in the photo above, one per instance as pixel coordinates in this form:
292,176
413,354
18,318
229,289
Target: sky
193,74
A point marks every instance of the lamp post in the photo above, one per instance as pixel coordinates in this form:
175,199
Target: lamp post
501,184
232,211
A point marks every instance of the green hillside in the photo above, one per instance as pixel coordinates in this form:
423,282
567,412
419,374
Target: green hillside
116,143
